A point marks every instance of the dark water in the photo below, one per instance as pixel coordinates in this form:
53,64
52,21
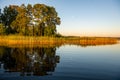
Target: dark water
66,62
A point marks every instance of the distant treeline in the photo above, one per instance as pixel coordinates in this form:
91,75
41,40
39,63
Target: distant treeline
30,20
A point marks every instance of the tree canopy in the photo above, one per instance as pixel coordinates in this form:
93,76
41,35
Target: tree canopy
32,20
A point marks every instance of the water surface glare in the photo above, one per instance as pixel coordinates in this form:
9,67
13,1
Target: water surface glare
66,62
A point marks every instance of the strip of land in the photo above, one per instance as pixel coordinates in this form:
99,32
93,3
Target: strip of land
48,41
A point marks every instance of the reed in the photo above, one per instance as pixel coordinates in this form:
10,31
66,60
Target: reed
35,40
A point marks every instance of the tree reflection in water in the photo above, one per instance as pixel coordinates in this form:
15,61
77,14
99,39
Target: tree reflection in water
29,61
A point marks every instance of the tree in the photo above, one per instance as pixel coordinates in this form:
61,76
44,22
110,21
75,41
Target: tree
51,21
29,15
36,20
7,17
2,29
47,19
20,23
0,16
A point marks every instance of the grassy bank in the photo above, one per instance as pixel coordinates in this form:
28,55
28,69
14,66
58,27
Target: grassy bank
30,40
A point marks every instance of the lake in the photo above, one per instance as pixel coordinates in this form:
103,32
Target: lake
69,62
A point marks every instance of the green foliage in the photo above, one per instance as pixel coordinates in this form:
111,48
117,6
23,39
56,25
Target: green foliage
2,29
46,18
20,23
36,20
7,17
50,31
0,16
58,35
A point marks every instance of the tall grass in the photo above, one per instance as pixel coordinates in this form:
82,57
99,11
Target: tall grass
35,40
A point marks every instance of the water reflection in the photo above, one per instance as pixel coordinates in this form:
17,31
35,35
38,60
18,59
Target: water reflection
29,61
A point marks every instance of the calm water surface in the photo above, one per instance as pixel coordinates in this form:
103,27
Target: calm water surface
66,62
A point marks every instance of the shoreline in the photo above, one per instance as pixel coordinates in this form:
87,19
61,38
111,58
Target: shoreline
48,41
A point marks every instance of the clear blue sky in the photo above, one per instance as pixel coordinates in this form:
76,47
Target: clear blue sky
82,17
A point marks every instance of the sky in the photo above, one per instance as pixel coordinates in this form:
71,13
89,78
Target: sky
82,17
